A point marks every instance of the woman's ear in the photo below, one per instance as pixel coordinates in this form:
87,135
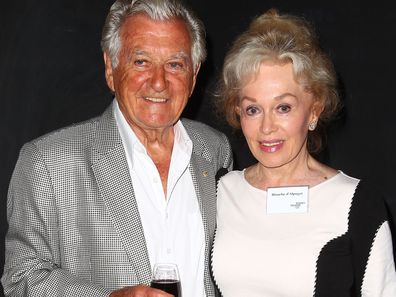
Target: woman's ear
238,110
316,110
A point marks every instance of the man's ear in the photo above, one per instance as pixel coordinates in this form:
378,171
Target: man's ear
108,71
195,78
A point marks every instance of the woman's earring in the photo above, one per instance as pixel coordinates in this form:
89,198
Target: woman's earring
312,126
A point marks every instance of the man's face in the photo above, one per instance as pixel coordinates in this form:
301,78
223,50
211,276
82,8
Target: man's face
154,77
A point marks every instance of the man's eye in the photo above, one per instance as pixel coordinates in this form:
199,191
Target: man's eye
284,108
175,65
139,62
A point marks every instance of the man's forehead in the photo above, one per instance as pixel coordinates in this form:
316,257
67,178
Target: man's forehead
143,24
140,35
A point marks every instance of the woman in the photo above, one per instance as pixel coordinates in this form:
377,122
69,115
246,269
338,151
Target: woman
290,225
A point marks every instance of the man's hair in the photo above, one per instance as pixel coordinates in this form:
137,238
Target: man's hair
158,10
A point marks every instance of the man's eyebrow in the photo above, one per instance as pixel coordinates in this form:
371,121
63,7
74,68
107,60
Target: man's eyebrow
180,55
138,52
135,52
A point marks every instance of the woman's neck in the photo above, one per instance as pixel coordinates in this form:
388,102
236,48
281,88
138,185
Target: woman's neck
306,171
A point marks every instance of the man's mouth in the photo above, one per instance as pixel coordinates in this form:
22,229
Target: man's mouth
155,99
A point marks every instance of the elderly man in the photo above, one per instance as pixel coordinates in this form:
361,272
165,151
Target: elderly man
94,206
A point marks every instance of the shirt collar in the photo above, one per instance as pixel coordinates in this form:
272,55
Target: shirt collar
182,142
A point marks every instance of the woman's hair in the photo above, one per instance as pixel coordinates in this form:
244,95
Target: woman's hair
159,10
279,38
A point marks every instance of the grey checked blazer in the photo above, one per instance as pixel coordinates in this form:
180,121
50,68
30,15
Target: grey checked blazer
74,225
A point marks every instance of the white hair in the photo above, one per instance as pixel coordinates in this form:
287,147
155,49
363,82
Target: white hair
159,10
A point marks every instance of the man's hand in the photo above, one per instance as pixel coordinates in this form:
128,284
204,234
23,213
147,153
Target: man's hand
139,291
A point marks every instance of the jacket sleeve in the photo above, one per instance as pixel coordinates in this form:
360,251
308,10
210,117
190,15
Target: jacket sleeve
33,252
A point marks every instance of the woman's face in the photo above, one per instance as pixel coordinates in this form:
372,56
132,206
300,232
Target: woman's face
275,112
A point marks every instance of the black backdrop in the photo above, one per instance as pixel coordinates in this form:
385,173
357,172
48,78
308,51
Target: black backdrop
51,75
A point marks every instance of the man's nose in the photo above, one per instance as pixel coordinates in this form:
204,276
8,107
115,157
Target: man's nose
158,79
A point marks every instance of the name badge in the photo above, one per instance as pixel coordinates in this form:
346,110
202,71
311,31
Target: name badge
287,200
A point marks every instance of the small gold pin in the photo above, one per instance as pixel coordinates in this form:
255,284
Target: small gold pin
205,173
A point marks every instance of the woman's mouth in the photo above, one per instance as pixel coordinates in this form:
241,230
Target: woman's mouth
271,146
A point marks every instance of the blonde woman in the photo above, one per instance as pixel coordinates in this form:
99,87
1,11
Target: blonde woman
289,225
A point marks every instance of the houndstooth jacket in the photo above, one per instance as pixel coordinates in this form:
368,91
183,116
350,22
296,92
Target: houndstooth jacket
74,225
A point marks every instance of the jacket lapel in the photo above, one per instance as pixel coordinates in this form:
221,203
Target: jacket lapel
203,176
111,171
203,179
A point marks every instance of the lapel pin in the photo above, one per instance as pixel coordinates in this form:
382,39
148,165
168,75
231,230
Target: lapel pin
205,173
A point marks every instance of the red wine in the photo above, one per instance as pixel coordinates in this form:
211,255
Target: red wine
168,285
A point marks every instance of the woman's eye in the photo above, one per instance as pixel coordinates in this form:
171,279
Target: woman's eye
284,108
252,110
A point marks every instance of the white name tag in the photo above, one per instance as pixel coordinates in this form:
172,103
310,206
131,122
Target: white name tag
287,200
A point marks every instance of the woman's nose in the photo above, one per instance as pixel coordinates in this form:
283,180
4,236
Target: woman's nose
268,124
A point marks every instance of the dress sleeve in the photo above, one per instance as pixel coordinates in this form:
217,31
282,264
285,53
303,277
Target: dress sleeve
372,251
380,276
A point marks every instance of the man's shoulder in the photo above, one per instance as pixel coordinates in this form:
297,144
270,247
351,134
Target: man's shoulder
199,130
64,144
209,142
60,148
72,134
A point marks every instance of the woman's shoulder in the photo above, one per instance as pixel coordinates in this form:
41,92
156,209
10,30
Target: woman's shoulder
230,189
232,177
345,179
364,187
231,183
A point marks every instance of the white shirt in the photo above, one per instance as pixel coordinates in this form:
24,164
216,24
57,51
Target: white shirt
173,226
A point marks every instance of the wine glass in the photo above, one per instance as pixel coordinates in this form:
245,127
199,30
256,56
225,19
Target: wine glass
166,278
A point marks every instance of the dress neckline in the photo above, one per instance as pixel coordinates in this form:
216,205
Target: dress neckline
319,185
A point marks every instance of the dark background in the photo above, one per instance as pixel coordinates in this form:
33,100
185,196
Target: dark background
51,75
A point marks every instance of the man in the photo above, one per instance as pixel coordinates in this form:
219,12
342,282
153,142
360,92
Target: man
92,207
